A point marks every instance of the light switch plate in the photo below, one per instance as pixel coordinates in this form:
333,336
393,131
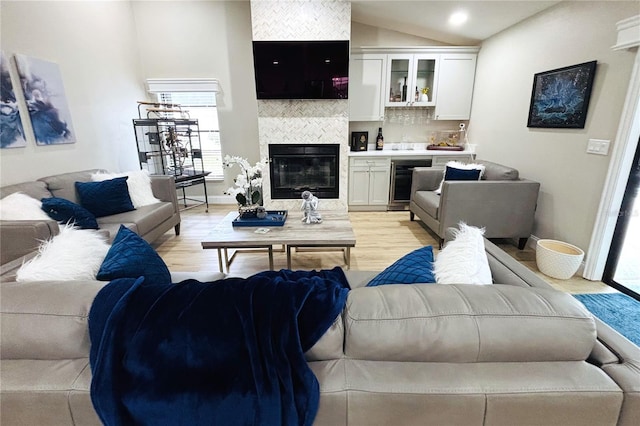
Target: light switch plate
598,146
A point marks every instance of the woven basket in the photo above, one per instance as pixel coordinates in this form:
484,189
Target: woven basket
558,259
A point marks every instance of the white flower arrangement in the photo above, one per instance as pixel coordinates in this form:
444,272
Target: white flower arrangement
248,184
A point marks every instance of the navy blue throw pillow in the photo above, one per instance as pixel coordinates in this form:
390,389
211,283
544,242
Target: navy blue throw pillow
66,211
106,197
130,256
415,267
452,173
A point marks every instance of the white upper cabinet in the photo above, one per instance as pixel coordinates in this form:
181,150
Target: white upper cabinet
407,75
396,77
455,86
366,86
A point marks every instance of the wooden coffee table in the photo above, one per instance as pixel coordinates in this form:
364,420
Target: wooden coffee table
335,232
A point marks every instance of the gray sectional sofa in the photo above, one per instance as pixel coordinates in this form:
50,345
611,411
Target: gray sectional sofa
150,222
514,353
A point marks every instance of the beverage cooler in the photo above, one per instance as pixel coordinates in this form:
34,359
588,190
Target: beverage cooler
401,173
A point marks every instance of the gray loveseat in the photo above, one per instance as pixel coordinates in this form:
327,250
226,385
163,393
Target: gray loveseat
22,237
501,202
513,353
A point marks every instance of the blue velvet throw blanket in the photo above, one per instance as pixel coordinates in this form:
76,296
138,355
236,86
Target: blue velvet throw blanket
229,352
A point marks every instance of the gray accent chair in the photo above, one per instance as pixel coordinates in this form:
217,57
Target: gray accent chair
501,202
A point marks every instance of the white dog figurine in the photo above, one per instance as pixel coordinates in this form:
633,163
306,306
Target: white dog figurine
310,208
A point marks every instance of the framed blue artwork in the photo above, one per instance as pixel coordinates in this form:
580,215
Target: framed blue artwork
11,130
44,95
560,97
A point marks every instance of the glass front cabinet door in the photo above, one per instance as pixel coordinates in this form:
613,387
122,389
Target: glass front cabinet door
409,76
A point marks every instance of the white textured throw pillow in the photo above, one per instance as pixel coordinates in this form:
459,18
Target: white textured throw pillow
73,254
139,184
20,206
460,166
463,260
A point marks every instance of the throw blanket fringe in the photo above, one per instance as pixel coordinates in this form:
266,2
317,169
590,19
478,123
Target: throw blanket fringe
229,352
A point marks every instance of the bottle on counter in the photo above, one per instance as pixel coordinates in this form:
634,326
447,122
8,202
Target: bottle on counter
379,140
417,95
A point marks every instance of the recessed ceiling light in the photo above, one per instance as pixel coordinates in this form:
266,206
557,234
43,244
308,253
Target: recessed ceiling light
458,18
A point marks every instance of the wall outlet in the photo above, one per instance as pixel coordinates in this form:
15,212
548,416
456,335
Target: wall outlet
598,146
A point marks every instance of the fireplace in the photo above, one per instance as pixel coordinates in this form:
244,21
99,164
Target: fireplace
296,168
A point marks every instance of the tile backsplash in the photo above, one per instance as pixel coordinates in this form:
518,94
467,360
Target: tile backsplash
413,125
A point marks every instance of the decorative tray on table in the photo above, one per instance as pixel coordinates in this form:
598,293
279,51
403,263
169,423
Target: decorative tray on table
273,218
445,148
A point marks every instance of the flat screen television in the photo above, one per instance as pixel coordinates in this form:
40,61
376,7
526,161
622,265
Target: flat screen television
301,69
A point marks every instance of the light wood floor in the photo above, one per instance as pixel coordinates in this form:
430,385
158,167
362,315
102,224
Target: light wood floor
381,238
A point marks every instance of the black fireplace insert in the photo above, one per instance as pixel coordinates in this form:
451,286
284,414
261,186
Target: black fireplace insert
306,167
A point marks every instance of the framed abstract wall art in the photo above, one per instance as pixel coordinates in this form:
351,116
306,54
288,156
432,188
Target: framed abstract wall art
43,90
11,130
560,97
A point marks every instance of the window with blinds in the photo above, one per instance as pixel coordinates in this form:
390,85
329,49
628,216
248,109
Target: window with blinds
202,106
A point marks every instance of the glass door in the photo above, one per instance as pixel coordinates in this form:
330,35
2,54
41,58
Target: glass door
622,270
424,80
399,71
408,75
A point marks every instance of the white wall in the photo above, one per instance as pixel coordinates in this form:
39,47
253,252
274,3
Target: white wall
368,35
209,39
571,180
93,44
106,50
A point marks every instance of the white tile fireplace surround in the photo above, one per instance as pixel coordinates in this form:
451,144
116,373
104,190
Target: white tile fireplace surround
303,121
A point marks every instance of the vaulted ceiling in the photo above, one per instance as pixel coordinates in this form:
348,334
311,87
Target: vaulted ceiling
430,19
